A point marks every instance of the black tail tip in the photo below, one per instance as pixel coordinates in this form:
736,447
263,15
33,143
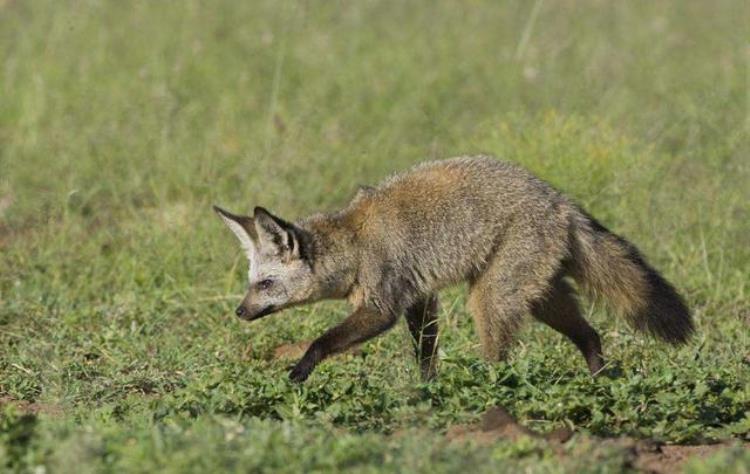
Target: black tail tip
668,317
671,330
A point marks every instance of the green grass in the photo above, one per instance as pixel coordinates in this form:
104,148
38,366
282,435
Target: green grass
122,122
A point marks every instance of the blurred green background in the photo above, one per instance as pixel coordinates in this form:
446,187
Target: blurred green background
122,122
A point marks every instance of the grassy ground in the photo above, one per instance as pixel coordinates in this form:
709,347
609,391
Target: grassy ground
121,122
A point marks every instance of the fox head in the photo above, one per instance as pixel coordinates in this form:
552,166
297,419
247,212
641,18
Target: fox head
280,272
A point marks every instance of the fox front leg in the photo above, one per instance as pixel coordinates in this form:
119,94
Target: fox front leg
421,318
363,324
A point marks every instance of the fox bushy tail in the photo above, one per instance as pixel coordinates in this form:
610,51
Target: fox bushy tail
609,267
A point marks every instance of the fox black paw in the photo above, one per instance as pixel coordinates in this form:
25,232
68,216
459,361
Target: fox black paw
301,371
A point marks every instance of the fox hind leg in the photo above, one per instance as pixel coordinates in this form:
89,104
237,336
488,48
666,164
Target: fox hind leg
498,306
496,319
559,310
519,273
421,318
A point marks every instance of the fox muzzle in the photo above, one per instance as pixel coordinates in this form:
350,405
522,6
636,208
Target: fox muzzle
243,313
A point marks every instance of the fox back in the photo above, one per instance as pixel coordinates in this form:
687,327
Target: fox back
441,223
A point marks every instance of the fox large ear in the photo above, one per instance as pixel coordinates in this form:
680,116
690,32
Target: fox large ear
244,228
275,231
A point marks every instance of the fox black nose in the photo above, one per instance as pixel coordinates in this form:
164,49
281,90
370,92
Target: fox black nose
240,311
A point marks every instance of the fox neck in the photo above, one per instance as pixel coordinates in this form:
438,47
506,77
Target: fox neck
334,257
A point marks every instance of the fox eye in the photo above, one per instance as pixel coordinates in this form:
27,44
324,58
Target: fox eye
265,284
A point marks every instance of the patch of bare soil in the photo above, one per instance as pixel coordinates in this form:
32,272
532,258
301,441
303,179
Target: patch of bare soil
291,351
670,459
644,455
31,408
296,350
498,424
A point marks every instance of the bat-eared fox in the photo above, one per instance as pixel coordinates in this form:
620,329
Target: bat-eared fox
511,236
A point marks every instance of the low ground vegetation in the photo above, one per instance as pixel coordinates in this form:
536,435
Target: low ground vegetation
121,123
